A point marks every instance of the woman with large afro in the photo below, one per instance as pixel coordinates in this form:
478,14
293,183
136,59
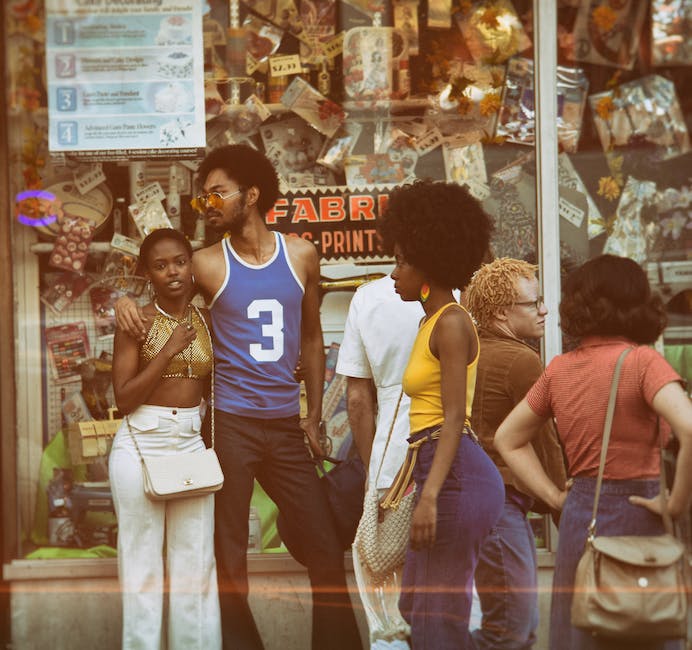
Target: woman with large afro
439,235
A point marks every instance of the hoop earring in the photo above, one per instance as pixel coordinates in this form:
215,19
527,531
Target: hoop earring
192,277
424,292
150,290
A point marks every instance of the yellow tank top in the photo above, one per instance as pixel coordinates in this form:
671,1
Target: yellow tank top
193,362
422,378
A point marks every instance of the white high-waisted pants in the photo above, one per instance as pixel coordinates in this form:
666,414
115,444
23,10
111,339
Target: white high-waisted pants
186,526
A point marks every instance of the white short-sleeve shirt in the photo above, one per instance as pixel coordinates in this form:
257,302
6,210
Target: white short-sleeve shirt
378,337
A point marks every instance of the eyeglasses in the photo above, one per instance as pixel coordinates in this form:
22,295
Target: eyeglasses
532,303
213,200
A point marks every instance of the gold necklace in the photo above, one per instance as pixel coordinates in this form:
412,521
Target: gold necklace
180,321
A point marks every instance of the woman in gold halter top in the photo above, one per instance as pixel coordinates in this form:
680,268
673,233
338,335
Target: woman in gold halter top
439,236
159,384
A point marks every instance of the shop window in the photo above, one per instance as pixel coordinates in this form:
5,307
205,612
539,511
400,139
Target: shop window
625,186
348,99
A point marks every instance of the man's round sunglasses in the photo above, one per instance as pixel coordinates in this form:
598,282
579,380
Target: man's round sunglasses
210,200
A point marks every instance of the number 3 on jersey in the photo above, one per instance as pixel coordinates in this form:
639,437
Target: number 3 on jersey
273,330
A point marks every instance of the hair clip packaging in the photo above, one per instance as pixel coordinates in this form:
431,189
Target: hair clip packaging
375,64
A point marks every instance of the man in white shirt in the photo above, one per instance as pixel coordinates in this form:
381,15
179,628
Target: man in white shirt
379,333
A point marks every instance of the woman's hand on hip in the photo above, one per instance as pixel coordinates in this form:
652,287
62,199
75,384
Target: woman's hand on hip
654,504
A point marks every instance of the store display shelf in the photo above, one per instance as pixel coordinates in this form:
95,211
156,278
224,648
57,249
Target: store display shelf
672,275
94,247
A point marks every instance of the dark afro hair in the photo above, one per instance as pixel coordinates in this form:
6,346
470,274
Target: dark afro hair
610,296
247,167
154,237
440,228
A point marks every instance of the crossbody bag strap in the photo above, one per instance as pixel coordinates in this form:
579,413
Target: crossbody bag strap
211,347
606,437
211,402
389,436
134,439
663,484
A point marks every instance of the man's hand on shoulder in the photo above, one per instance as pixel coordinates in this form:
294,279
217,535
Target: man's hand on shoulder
130,318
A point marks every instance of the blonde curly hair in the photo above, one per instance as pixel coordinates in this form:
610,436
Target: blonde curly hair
493,285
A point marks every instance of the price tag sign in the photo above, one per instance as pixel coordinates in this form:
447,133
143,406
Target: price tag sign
571,212
151,192
333,47
431,140
280,66
87,181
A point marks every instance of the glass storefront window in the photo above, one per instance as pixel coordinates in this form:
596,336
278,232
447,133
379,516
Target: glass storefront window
347,98
625,188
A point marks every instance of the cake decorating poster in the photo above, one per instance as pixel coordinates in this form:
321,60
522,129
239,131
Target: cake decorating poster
125,78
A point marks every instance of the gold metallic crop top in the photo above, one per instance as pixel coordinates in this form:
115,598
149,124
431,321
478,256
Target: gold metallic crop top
193,362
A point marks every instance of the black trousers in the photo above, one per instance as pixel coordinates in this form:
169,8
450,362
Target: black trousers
274,452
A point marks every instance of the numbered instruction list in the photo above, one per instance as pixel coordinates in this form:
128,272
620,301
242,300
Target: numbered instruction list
125,79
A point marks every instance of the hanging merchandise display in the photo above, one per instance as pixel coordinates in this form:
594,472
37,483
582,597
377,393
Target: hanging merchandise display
348,99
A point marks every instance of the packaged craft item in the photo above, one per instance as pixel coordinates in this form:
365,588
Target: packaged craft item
291,144
373,169
319,22
517,117
244,120
627,238
401,149
263,39
68,346
569,177
669,232
375,64
469,103
71,246
316,109
608,33
465,165
62,289
282,13
639,113
512,202
149,216
492,30
406,21
671,32
337,148
122,258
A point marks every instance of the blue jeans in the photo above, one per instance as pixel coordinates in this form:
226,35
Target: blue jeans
437,583
506,579
616,516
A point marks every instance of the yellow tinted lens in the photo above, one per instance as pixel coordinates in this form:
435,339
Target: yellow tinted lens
214,201
198,203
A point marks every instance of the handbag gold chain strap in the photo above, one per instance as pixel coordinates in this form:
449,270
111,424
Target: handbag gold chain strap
211,400
667,521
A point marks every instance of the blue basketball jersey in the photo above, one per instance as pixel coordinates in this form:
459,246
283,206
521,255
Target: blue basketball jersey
256,316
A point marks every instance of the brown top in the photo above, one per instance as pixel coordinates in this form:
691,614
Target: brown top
507,368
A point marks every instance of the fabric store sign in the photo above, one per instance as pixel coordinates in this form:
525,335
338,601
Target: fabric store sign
340,221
